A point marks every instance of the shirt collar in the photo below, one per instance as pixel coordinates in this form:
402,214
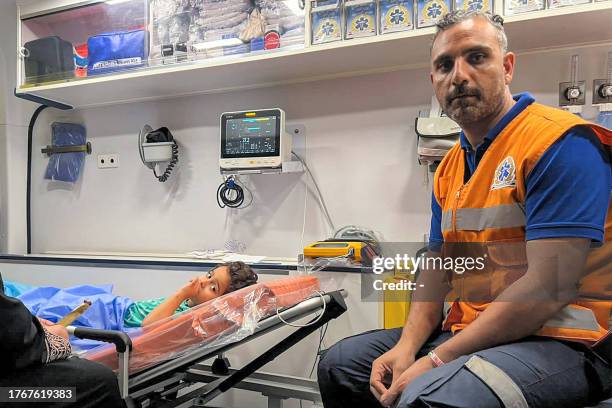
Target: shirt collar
523,100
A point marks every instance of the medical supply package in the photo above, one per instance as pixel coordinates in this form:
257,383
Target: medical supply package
396,15
326,21
360,19
522,6
562,3
116,51
66,166
474,5
429,12
48,59
199,25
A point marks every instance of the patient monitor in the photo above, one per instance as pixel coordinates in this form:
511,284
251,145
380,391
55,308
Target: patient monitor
254,140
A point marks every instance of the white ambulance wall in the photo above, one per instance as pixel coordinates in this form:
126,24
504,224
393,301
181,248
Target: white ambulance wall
14,116
361,148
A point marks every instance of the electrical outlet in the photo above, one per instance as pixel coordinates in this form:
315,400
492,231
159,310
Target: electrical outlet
108,161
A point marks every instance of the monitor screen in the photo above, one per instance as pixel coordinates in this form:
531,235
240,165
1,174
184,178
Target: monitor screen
253,136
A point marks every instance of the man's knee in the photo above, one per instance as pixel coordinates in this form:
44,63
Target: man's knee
96,385
89,370
329,359
346,365
447,385
347,358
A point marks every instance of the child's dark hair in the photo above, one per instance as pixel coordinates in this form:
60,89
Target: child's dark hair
241,275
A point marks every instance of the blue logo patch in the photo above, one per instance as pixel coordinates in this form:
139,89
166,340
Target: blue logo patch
505,174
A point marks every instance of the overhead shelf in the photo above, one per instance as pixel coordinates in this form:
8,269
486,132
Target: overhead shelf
543,30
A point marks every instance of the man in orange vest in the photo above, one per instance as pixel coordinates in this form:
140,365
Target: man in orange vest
527,188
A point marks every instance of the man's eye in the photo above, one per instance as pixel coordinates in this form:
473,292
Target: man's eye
213,288
445,66
477,58
208,275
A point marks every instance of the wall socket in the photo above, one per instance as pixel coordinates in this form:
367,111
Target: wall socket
108,161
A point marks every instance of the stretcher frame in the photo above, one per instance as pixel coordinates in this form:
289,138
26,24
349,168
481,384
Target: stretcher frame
160,385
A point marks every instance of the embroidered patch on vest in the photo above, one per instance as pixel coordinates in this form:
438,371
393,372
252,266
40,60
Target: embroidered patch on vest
505,174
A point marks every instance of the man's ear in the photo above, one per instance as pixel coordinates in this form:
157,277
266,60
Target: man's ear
509,60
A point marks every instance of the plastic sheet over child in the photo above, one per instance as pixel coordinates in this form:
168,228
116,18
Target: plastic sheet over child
221,321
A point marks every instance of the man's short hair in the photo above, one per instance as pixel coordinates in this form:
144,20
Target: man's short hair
457,16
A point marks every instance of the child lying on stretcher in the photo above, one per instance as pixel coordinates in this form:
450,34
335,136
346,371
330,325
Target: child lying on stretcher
112,312
216,282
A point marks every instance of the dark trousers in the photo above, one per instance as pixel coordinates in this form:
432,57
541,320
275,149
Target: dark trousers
547,373
96,385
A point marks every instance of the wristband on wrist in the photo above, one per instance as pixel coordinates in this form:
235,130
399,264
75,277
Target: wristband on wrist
436,360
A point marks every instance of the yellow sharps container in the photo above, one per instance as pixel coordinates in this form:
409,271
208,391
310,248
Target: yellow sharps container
397,302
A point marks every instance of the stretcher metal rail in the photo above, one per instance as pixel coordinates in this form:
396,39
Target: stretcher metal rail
161,385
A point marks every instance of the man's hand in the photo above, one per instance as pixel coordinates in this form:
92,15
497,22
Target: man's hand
45,322
56,329
421,366
388,367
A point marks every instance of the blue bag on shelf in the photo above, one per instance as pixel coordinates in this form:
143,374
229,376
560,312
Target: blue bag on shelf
235,49
112,52
66,166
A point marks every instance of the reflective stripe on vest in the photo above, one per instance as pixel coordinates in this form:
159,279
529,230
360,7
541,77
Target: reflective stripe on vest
447,308
572,318
479,219
447,220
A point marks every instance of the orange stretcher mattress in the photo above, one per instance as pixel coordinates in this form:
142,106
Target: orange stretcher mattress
224,320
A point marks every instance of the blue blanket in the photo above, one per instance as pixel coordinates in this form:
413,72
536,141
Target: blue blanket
106,311
14,289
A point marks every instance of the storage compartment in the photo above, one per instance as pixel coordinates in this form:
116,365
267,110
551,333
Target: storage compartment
55,46
186,31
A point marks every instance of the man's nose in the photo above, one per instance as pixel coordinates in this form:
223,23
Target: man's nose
460,72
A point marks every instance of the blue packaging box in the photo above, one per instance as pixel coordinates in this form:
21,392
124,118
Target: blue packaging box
396,15
326,23
360,20
474,5
429,12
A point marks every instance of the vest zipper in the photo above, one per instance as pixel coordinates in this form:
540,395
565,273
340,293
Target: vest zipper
457,196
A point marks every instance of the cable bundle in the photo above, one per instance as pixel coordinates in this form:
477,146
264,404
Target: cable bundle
173,162
230,194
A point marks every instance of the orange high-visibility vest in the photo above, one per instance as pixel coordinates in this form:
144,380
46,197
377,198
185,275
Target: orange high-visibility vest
489,209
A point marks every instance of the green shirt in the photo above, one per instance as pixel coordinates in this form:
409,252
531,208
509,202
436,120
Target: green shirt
137,311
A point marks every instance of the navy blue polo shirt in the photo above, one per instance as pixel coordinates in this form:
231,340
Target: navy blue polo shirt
568,191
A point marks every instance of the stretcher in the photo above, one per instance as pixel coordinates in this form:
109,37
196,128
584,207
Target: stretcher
155,367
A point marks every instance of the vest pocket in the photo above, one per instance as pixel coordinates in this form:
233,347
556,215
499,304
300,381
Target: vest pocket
443,186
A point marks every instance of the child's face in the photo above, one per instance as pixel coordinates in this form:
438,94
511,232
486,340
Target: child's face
212,284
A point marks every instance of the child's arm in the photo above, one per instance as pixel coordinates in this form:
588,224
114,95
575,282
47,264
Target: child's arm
169,306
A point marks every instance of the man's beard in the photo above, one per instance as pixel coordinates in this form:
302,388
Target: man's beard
467,106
